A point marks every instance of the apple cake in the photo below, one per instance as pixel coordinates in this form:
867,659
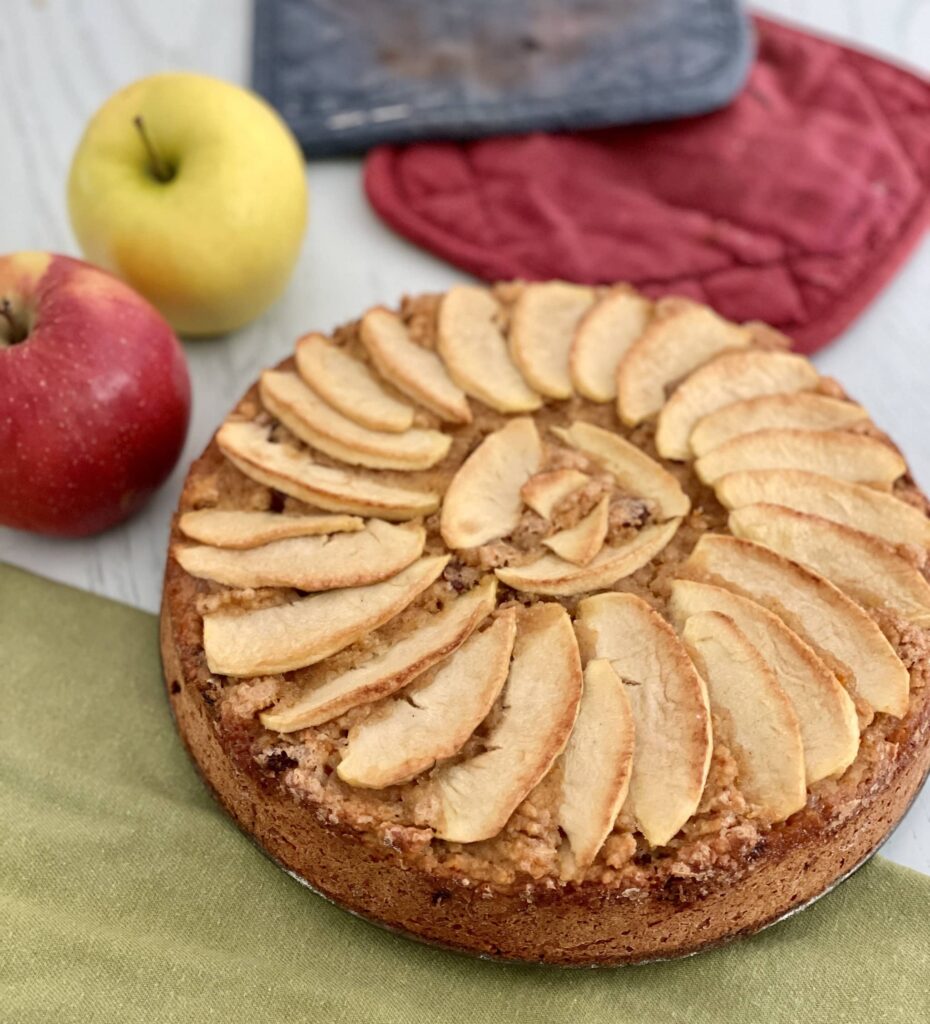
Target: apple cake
553,623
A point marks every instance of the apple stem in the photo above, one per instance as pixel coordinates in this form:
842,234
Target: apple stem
161,170
16,331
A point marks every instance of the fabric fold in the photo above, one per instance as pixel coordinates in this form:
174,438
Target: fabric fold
794,205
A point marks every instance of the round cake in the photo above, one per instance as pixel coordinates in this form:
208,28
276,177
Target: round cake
553,623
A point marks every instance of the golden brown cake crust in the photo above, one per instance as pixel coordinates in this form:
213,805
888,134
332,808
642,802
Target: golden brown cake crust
582,926
744,886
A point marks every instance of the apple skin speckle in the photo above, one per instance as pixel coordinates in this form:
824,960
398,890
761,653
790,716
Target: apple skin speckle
94,404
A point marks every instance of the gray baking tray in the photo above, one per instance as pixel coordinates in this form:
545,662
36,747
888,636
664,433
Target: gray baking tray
350,74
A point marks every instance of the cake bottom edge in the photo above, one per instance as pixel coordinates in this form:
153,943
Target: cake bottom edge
583,928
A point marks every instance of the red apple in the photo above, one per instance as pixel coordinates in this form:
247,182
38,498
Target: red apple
94,396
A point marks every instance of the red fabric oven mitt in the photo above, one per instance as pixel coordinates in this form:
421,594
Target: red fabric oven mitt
794,205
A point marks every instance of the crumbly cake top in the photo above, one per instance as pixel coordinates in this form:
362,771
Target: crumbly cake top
544,585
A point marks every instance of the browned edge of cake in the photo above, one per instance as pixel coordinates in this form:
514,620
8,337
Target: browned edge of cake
590,924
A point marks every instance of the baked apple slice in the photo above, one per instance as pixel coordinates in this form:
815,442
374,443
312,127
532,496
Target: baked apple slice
483,500
681,336
752,714
544,491
239,529
434,718
310,563
289,636
596,767
386,673
803,410
475,351
840,632
348,386
669,703
827,715
294,472
729,378
844,456
542,326
539,705
411,368
308,417
863,508
867,569
553,576
634,471
602,338
580,543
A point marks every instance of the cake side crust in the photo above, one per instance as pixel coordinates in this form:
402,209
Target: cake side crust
587,925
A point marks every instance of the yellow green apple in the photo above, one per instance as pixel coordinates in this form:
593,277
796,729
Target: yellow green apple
194,192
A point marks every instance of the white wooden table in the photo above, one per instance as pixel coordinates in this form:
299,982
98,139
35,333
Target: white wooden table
60,59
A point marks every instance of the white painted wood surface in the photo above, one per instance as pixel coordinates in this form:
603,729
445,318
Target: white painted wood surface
60,59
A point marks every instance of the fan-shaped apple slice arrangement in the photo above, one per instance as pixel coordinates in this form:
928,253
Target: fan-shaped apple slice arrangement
766,644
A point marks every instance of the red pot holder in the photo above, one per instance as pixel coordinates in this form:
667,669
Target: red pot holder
794,205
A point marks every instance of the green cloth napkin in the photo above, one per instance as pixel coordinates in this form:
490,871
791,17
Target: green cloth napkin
128,896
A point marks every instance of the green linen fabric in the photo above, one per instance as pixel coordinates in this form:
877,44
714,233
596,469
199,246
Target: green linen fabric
128,896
